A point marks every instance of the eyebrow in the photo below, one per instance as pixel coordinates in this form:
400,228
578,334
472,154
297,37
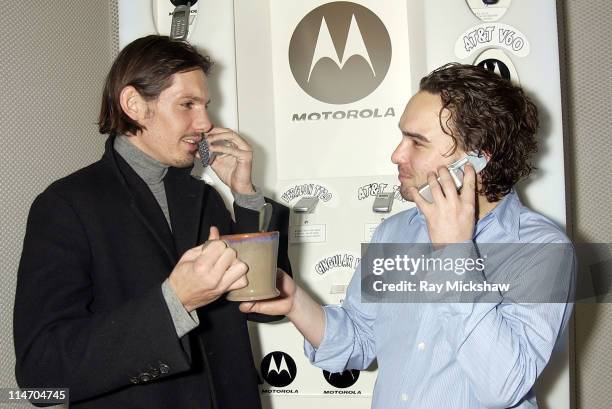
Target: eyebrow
197,99
414,135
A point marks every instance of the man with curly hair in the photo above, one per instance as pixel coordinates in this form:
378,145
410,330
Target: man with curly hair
463,349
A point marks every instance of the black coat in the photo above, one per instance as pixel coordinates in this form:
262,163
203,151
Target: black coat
89,311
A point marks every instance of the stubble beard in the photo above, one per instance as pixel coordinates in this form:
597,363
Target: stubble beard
405,193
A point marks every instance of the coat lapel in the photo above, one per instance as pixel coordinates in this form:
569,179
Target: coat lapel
185,195
142,202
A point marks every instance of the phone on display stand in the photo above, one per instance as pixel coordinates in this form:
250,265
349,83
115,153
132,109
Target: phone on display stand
306,204
180,22
456,169
383,203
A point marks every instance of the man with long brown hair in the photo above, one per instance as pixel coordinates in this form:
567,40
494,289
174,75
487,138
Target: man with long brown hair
449,326
117,298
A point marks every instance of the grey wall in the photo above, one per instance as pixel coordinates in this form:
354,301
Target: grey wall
53,61
588,58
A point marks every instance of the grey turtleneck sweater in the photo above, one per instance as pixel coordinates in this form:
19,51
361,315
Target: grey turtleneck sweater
152,172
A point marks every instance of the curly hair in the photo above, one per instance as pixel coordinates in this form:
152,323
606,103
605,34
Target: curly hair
487,114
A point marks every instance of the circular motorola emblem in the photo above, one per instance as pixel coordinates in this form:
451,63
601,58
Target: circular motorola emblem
278,369
496,66
340,52
342,379
497,61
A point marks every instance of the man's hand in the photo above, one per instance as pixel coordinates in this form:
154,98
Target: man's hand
283,305
304,312
206,272
452,216
234,161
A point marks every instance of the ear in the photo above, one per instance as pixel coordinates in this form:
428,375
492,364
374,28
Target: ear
487,156
133,104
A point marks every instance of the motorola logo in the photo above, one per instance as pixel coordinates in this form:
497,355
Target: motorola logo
497,61
497,67
340,52
341,379
278,369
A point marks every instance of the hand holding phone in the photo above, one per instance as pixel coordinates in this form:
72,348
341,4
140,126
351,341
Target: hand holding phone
456,170
450,216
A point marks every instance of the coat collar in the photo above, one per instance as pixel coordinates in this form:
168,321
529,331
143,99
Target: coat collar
184,195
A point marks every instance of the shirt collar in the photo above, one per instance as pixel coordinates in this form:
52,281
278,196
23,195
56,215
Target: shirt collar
507,214
416,214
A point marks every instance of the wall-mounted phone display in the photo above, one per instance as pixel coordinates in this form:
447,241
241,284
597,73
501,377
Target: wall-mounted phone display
179,28
175,18
456,170
306,204
383,202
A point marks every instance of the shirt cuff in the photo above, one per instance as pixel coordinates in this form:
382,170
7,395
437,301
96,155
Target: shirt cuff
183,321
253,202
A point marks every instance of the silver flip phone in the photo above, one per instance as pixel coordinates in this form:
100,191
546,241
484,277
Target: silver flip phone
306,204
180,22
383,202
456,172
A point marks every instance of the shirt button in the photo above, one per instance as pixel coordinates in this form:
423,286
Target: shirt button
421,346
404,397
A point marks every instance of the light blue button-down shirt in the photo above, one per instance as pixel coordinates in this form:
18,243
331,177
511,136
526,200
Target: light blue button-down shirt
452,355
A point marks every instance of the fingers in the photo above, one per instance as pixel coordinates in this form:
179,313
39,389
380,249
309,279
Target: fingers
275,306
211,248
469,184
214,233
221,150
210,254
235,277
418,199
247,306
449,189
434,186
223,272
213,237
220,134
266,307
225,260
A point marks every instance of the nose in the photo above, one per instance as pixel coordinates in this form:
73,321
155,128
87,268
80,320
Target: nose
202,122
400,154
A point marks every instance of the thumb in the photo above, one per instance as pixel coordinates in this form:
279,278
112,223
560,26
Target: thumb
418,200
247,306
214,233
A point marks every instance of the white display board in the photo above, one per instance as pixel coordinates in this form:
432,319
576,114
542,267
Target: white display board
352,85
309,141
